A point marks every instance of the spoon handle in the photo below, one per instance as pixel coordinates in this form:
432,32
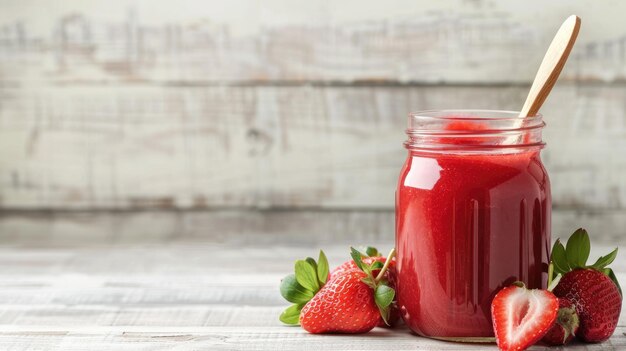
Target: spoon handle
551,66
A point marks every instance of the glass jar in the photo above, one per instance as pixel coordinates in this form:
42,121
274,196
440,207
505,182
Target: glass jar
473,211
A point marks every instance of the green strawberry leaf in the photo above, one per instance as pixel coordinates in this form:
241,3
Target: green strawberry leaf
313,264
306,275
291,315
559,258
293,292
577,248
371,251
384,313
356,257
384,295
376,265
322,268
611,274
604,261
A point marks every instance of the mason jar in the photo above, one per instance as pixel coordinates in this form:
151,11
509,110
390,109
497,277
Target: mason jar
473,211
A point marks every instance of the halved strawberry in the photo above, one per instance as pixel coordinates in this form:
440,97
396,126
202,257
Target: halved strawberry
521,317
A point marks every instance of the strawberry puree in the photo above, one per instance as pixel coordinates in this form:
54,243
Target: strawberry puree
466,225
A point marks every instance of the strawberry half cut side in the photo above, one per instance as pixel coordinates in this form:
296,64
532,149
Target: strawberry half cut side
521,316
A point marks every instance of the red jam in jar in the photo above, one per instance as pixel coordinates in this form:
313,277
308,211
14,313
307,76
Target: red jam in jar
472,215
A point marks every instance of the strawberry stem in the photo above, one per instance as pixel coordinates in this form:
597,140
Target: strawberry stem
550,272
380,275
555,282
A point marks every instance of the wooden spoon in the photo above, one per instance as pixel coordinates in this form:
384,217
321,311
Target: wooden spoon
551,65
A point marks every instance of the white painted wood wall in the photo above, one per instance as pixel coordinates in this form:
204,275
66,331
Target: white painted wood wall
114,114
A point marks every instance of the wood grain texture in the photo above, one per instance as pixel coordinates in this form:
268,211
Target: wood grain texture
309,228
268,338
278,40
265,147
174,295
162,164
200,105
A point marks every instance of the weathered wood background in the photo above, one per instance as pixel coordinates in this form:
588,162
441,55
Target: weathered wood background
281,120
162,163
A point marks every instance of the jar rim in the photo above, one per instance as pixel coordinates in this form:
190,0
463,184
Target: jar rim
473,129
492,121
473,115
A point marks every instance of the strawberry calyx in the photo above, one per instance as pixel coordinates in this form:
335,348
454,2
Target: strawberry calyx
567,318
384,294
566,324
574,255
370,251
309,277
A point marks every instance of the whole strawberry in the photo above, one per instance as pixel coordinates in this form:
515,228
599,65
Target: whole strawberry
352,301
344,305
370,256
597,301
566,325
593,289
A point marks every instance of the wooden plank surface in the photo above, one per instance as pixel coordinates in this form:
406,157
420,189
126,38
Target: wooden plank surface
266,338
182,295
279,40
265,147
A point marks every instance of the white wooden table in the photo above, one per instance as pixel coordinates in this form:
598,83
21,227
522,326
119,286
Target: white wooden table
182,296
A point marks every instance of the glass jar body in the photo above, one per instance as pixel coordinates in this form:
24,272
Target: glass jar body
468,224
